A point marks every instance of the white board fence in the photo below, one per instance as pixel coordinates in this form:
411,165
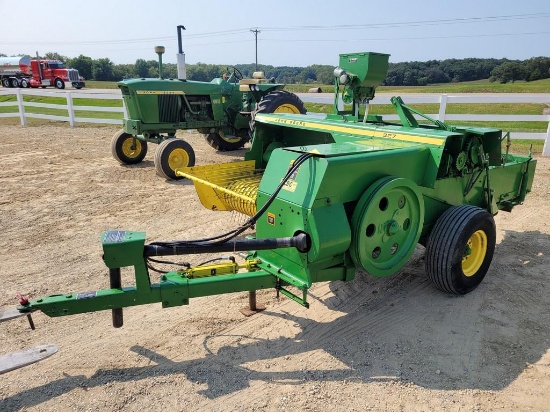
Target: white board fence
381,98
70,107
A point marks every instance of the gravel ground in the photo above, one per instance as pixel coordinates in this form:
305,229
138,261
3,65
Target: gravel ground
372,344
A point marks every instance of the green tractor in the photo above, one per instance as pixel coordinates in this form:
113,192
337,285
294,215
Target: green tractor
222,110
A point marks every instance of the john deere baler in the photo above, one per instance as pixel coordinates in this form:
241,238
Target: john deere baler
328,195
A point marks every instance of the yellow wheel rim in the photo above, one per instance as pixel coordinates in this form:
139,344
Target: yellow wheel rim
129,151
178,158
287,108
232,139
474,254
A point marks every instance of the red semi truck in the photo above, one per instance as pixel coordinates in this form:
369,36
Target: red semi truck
27,72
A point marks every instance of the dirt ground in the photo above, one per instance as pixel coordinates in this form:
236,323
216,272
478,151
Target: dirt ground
392,343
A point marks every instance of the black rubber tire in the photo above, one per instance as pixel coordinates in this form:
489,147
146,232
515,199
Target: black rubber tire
447,243
14,82
59,84
219,143
6,82
273,101
24,83
166,159
121,140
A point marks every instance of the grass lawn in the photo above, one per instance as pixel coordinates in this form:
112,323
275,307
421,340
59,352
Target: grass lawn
482,86
478,86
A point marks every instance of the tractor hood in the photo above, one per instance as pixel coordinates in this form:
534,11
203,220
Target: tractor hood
169,86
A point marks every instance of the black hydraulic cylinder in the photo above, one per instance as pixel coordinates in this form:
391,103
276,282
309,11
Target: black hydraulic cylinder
300,241
116,283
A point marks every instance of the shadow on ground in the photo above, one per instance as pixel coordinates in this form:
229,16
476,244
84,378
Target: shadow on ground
393,329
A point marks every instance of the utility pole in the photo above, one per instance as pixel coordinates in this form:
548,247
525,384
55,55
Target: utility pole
256,31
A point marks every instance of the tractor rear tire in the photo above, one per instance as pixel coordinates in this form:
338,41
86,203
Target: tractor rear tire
127,149
222,142
24,83
6,82
460,249
171,155
278,101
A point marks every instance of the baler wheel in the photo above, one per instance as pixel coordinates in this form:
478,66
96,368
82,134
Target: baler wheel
127,149
386,225
171,155
278,101
225,142
460,249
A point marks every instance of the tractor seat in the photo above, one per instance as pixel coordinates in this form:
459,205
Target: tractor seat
257,77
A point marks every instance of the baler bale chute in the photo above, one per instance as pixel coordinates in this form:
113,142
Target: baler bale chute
222,110
327,196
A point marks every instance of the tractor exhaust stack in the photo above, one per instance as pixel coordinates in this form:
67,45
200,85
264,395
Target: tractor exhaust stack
182,74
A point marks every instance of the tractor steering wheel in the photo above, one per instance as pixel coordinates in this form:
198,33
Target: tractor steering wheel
236,74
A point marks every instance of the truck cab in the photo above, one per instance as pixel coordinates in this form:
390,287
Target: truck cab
53,73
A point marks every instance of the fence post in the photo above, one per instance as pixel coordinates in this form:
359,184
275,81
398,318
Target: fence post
70,108
442,107
21,107
546,147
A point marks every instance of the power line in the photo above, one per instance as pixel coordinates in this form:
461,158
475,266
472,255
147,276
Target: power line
405,38
302,28
412,23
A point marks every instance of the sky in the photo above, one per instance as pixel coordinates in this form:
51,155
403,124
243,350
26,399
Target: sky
291,33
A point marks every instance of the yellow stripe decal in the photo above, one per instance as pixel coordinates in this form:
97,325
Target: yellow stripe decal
362,132
159,92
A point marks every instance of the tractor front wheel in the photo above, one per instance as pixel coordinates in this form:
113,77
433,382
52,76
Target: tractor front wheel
127,149
60,84
225,142
171,155
460,249
278,101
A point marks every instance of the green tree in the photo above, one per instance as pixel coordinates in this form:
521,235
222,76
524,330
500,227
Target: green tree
55,56
307,75
123,71
509,71
537,68
170,71
83,64
197,72
324,73
141,68
102,69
